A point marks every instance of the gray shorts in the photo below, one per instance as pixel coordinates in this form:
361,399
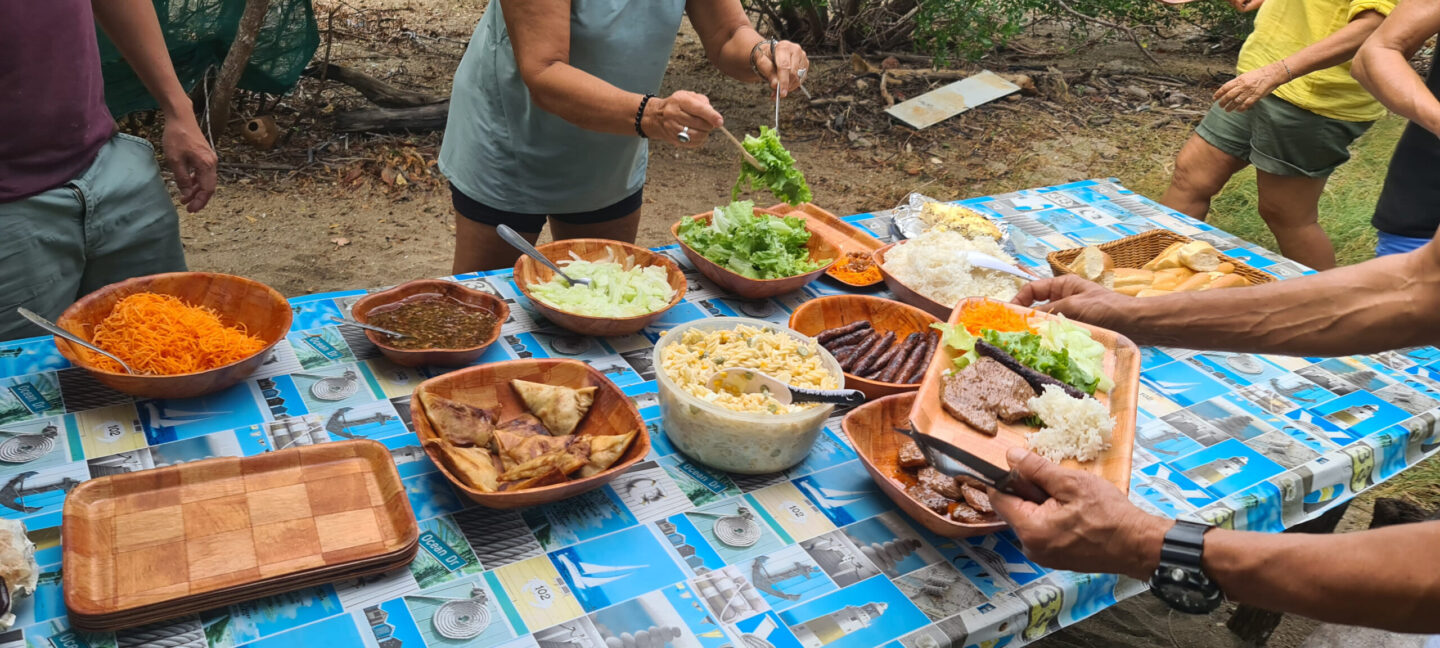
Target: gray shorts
112,222
1281,138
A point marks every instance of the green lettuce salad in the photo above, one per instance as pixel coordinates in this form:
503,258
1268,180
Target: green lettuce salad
1061,350
780,175
757,247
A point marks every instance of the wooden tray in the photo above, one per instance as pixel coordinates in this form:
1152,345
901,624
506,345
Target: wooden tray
431,357
816,315
871,429
844,236
232,524
1138,250
488,386
1122,364
742,286
528,272
261,309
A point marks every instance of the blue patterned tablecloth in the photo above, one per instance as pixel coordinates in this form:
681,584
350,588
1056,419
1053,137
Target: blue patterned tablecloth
1243,441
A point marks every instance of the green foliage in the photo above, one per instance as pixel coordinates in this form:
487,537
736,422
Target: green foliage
967,29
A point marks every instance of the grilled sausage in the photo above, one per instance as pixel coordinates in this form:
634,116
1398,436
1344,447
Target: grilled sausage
871,358
827,335
915,363
854,337
891,355
932,339
1037,380
859,354
907,348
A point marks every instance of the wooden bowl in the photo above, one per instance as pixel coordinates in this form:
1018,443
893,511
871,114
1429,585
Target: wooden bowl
1122,364
488,386
817,315
905,293
844,236
529,272
748,288
871,430
239,301
431,357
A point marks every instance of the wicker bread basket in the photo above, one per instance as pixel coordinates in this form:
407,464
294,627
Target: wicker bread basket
1135,251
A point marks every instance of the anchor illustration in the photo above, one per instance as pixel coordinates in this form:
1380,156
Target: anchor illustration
338,424
765,581
14,491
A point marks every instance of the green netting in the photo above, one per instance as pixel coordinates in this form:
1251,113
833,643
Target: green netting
198,34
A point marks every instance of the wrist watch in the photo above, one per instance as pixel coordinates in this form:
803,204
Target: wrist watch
1180,581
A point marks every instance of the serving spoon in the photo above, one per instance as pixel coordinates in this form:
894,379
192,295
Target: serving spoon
749,159
60,332
749,381
369,327
518,242
982,260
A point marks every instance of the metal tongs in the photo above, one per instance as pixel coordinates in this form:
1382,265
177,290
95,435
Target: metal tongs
950,459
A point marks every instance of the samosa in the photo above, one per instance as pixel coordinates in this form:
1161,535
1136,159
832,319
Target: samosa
559,408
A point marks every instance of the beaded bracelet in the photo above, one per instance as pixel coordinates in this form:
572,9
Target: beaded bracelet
639,114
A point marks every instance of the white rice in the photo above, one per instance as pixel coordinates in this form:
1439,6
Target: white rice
1077,428
929,264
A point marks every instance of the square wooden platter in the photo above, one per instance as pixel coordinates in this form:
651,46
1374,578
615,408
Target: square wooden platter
154,544
1122,364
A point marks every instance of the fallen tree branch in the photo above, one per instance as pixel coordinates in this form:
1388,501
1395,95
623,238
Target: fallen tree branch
236,59
378,92
417,118
1105,23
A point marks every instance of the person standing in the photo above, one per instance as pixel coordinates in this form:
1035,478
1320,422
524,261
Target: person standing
81,205
1292,113
1408,211
553,105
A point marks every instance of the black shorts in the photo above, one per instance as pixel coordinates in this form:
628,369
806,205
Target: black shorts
533,223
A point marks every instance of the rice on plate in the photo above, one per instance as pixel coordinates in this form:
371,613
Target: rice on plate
929,264
1076,428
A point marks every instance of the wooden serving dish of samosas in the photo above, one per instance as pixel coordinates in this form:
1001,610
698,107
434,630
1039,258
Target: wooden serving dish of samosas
527,432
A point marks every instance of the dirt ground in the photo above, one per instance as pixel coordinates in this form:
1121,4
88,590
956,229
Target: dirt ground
321,210
328,211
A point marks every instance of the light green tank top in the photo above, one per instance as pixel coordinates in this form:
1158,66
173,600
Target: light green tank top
507,153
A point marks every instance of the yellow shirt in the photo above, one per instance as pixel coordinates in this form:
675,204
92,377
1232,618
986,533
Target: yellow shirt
1284,27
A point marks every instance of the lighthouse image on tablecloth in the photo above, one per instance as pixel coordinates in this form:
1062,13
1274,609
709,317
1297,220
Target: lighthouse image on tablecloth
1209,474
834,626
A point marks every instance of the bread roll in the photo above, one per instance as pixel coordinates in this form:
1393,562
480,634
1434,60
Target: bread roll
1171,278
1196,282
1132,290
1198,256
1092,264
1153,293
1225,267
1133,277
1165,259
1228,281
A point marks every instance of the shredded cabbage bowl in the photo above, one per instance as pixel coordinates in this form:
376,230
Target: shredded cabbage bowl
618,288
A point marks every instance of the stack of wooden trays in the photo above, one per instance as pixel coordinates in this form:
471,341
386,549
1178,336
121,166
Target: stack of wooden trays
155,544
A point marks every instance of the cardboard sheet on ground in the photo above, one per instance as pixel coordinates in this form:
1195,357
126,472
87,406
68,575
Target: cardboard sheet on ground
949,100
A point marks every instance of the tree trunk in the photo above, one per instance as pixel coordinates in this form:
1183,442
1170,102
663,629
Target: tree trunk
235,61
419,118
378,92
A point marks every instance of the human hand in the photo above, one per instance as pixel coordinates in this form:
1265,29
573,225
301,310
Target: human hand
788,69
1087,525
1246,6
1075,298
190,158
1241,92
683,111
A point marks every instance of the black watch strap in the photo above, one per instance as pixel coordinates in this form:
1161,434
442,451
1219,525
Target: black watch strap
1180,579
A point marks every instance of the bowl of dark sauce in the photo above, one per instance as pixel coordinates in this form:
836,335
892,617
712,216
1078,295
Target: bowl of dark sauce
445,324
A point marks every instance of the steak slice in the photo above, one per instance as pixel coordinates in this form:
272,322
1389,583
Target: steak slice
985,393
967,480
929,498
977,499
964,514
938,482
911,456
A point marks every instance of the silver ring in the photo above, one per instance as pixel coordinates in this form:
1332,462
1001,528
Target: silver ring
801,72
684,135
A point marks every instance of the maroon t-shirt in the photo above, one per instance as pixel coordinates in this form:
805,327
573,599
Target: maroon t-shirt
53,118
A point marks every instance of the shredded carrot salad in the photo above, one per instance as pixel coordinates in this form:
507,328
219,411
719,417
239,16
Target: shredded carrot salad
856,268
160,334
979,316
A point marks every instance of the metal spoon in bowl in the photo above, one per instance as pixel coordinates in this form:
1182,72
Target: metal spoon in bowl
518,242
370,327
53,328
749,381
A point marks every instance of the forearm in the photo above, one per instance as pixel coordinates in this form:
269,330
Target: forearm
733,57
133,27
587,101
1383,63
1386,303
1387,578
1335,48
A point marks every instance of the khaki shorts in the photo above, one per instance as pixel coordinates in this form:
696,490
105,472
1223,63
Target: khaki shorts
112,222
1281,138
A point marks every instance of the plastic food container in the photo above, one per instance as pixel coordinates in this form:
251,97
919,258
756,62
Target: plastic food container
738,442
